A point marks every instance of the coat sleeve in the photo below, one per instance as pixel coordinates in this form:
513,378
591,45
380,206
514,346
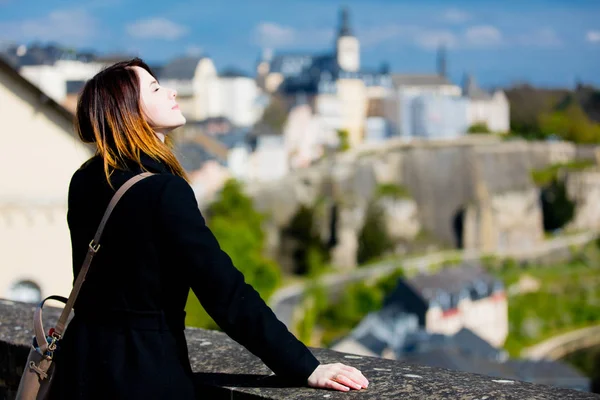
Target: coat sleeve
234,305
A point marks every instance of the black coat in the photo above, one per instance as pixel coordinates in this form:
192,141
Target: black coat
126,340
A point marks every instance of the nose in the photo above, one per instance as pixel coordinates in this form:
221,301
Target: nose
173,93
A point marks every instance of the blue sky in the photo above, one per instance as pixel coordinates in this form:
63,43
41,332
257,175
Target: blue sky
548,43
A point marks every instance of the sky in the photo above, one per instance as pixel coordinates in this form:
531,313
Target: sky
547,43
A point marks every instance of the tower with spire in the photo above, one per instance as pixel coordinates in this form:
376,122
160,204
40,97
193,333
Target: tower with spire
442,61
347,45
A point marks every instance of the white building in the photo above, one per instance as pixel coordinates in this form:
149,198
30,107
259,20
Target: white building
240,97
334,83
492,110
38,156
407,88
52,79
203,94
306,135
268,162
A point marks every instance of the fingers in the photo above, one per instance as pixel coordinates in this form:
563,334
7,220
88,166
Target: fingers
347,381
338,377
355,375
334,385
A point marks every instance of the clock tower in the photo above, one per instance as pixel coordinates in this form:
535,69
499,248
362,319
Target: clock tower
347,45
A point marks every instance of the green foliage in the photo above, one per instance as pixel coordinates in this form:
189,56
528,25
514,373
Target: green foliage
313,303
544,176
358,299
392,190
196,315
480,127
373,239
238,228
343,136
536,114
311,254
569,298
570,124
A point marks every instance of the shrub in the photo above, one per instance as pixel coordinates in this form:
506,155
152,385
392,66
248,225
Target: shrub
373,239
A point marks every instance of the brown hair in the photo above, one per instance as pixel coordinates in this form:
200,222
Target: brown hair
109,114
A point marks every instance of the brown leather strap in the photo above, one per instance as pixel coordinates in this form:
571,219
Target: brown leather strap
93,248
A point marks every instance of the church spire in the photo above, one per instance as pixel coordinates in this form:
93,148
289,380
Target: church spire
345,29
442,61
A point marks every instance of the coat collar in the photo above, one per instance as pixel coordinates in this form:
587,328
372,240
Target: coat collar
154,165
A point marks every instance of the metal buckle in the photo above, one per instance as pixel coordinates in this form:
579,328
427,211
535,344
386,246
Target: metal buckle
94,247
55,338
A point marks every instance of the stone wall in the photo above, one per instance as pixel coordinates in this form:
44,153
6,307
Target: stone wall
481,189
225,370
583,187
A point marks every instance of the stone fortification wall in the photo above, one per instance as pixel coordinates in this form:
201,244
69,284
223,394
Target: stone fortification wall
476,193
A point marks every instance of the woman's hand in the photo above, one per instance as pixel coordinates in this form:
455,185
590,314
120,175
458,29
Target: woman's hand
337,376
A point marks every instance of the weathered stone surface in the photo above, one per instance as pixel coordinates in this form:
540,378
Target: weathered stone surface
225,370
446,180
349,222
401,218
583,187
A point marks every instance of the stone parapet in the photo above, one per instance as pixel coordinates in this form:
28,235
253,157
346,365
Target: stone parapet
225,370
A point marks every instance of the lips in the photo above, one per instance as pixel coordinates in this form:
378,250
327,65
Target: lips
175,107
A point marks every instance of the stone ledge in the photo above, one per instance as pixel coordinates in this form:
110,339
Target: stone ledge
225,370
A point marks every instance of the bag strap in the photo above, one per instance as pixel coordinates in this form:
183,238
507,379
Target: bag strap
93,248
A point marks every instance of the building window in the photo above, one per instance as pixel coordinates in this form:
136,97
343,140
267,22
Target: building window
26,292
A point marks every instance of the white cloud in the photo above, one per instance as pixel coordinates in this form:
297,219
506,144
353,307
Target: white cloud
156,28
593,36
379,34
269,34
433,39
75,27
544,37
455,16
194,50
482,36
272,35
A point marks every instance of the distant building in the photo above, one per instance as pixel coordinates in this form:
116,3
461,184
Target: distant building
197,84
306,136
59,72
412,91
455,298
393,333
240,98
204,94
438,117
39,154
270,159
492,110
334,83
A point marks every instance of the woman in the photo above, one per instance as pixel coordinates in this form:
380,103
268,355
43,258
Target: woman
126,339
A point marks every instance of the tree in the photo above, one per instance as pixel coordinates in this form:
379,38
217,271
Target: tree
238,228
343,136
570,123
479,127
373,239
311,253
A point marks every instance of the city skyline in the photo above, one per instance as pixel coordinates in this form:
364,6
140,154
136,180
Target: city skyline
546,43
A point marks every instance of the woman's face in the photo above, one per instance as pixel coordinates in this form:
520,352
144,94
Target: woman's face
158,103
